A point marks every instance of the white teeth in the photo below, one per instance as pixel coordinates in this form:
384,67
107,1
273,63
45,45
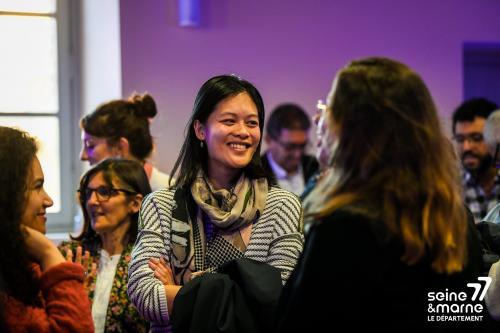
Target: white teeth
238,146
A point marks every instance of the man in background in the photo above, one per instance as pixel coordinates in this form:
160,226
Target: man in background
287,135
480,178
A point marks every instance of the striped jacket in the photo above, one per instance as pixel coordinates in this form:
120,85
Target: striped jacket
276,239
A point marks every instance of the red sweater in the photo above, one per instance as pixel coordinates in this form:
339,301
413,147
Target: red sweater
66,306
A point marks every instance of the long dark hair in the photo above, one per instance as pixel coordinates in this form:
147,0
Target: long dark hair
124,118
394,159
17,152
192,157
131,175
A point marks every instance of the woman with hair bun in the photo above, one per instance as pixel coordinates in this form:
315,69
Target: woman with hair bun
120,128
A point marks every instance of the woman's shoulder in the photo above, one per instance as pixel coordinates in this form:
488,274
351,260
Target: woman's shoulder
159,180
354,224
279,195
162,196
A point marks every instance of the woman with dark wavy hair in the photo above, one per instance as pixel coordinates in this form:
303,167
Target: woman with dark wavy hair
41,292
110,196
388,224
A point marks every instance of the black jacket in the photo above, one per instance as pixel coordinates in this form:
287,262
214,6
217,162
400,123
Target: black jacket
242,298
350,274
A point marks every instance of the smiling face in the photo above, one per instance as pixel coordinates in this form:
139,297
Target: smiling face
37,200
112,214
231,133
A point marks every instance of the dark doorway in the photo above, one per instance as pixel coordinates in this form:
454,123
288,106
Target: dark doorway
482,71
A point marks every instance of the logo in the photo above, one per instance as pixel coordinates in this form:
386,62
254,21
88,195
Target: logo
451,306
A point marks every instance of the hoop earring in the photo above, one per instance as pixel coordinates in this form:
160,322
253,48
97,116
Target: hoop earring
201,144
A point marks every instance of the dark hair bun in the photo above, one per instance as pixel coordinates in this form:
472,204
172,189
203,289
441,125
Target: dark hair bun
145,105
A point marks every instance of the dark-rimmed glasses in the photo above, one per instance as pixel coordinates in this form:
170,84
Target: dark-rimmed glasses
472,138
103,193
288,146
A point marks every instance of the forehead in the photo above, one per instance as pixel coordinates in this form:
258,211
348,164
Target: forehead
241,104
466,127
98,180
36,169
86,137
293,135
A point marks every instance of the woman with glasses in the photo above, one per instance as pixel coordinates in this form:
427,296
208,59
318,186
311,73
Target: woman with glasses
39,290
110,196
388,229
222,206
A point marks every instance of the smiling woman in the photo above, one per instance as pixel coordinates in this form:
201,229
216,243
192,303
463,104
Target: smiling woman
39,292
110,196
222,207
38,200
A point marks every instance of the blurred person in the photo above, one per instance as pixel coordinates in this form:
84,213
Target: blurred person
287,135
222,207
110,196
41,292
120,128
390,225
325,148
490,222
481,182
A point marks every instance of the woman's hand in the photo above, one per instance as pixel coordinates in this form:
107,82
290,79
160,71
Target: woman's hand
162,271
89,267
41,249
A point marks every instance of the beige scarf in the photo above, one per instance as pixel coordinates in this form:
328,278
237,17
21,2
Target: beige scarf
234,209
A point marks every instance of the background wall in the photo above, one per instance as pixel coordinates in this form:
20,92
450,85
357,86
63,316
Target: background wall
291,49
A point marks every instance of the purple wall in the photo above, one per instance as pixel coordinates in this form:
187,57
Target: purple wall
291,49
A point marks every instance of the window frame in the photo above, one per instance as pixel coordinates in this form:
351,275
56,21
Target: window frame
67,22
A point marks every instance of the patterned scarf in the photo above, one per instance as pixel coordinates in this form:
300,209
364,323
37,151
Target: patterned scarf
230,210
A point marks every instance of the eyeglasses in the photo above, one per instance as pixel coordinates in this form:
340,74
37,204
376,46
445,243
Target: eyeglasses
288,146
103,193
472,138
320,106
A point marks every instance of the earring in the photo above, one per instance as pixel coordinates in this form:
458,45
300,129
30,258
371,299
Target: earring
201,144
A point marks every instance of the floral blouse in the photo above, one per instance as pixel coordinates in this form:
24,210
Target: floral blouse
121,316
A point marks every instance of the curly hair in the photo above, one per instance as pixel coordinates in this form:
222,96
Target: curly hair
17,151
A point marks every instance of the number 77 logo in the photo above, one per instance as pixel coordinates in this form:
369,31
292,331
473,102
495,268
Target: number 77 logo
477,287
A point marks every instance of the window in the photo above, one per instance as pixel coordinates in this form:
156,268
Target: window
37,84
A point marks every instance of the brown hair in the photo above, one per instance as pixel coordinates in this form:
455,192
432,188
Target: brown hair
124,118
393,156
17,152
130,174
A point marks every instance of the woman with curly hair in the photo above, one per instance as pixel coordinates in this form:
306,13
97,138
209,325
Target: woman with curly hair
41,291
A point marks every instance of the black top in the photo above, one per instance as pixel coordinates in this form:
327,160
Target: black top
350,275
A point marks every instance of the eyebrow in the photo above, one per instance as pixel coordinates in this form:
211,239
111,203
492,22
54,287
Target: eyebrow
230,113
